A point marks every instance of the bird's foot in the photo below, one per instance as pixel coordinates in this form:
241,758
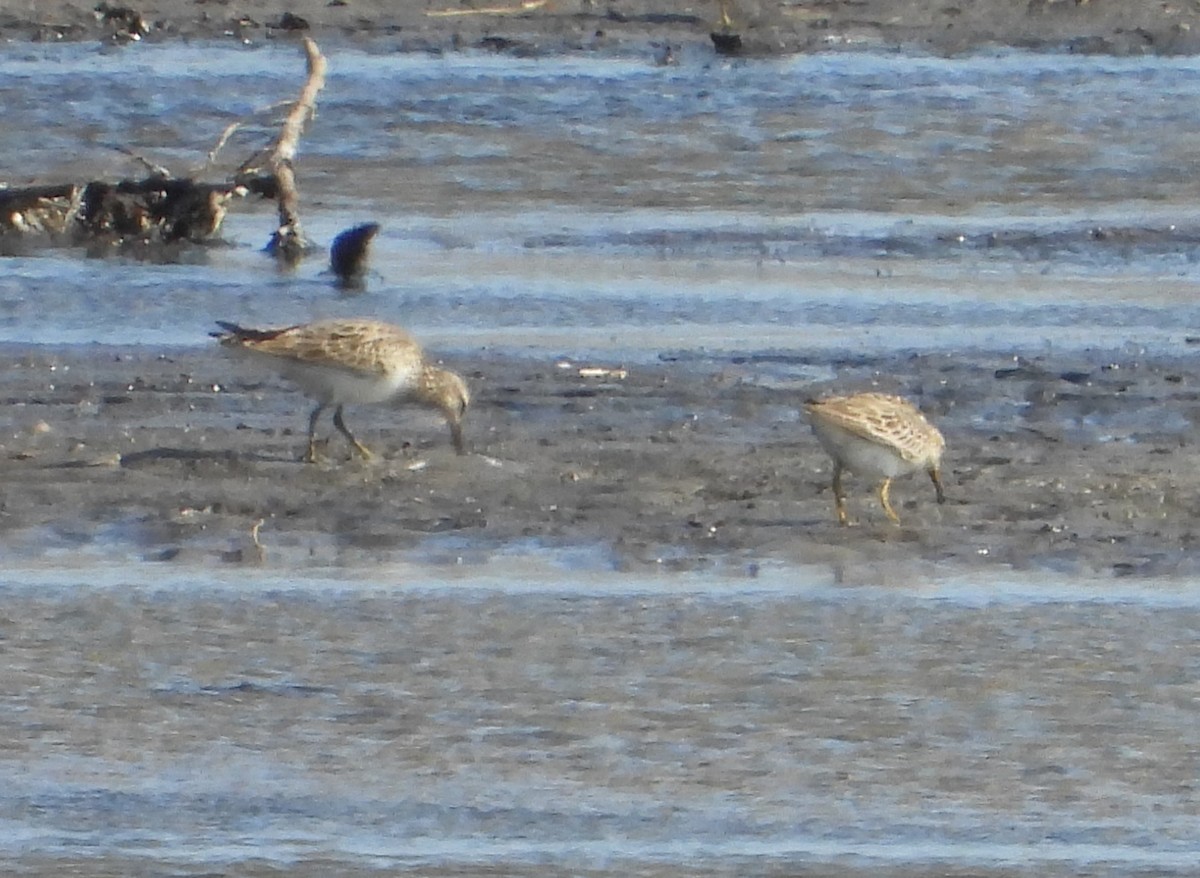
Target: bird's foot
314,454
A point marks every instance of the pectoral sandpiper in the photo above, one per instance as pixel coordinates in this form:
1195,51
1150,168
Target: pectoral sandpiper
337,362
876,435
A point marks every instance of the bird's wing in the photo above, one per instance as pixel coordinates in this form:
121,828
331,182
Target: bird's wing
886,420
366,347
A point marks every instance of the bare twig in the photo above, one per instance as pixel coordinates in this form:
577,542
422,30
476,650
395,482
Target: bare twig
155,170
221,141
230,129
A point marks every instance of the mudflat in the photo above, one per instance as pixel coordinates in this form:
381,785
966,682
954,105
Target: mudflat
541,26
1065,463
1071,465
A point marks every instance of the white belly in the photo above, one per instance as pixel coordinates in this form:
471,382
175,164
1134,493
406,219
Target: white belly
338,386
861,455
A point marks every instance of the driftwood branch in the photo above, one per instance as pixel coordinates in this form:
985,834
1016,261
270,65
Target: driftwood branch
288,242
172,210
38,209
162,208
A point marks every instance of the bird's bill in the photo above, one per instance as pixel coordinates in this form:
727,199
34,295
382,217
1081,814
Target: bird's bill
935,476
456,436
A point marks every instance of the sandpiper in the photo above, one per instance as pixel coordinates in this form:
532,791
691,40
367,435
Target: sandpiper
877,435
337,362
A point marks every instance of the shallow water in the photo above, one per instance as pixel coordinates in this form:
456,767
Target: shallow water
579,204
518,720
528,722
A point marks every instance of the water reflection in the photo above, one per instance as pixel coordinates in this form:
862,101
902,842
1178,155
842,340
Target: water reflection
483,719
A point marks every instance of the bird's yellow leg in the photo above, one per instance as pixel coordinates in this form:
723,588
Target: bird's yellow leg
936,475
345,431
839,495
311,455
885,488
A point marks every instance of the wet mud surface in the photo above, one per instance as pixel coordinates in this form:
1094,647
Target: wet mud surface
765,27
1073,465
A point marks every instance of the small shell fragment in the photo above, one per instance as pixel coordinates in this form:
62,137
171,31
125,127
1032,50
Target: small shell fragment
601,372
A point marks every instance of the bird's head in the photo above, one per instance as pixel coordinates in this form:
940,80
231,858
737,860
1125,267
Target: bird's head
447,392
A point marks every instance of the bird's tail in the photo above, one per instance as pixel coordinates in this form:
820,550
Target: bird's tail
231,333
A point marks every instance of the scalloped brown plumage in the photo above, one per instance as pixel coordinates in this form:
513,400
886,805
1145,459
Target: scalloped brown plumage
336,362
877,435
